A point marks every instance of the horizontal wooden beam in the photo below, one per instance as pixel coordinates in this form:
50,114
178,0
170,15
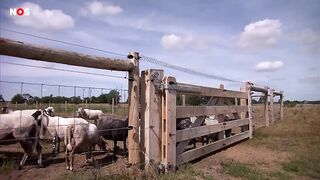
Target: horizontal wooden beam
29,51
259,89
277,93
189,111
208,91
257,96
191,133
204,150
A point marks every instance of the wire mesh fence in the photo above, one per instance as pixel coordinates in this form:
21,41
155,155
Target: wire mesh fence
65,100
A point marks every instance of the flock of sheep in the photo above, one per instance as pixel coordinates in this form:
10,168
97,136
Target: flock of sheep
28,127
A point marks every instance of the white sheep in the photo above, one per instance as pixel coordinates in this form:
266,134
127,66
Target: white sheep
89,114
24,127
50,111
57,127
81,137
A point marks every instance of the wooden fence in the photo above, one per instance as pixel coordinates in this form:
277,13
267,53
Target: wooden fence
29,51
154,140
162,144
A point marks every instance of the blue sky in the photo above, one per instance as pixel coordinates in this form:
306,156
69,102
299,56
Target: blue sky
273,43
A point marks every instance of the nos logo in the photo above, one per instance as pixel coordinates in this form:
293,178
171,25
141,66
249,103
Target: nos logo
20,11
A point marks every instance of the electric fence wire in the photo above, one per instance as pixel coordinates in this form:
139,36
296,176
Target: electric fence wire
65,70
142,58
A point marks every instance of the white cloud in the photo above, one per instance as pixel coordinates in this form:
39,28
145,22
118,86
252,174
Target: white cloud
309,39
97,8
174,42
268,65
43,19
260,35
171,41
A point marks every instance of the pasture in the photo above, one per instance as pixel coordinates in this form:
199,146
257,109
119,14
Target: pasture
68,110
288,149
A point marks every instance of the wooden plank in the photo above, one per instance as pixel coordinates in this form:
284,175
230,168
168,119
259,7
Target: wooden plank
266,112
248,89
271,105
191,133
182,145
183,100
221,117
281,106
243,102
208,91
134,92
277,93
29,51
188,111
169,126
201,151
143,117
259,89
151,116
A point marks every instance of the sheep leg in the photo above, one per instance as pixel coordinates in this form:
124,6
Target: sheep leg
23,161
67,160
58,144
88,155
125,147
114,147
72,159
92,158
54,144
39,149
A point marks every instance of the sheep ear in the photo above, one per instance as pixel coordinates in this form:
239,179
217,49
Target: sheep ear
36,115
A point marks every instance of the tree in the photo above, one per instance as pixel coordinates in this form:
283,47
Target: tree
107,98
75,100
18,98
1,98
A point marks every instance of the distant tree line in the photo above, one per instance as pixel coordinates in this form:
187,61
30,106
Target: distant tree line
194,100
103,98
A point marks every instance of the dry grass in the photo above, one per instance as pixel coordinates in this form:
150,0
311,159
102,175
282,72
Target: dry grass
299,135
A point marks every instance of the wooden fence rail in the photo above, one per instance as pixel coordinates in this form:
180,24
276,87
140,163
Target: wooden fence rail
154,139
29,51
174,143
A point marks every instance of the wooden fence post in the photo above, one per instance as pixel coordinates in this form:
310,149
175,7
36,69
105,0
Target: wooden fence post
243,102
266,111
65,106
151,126
271,105
169,124
133,134
183,100
281,106
222,134
248,89
112,108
